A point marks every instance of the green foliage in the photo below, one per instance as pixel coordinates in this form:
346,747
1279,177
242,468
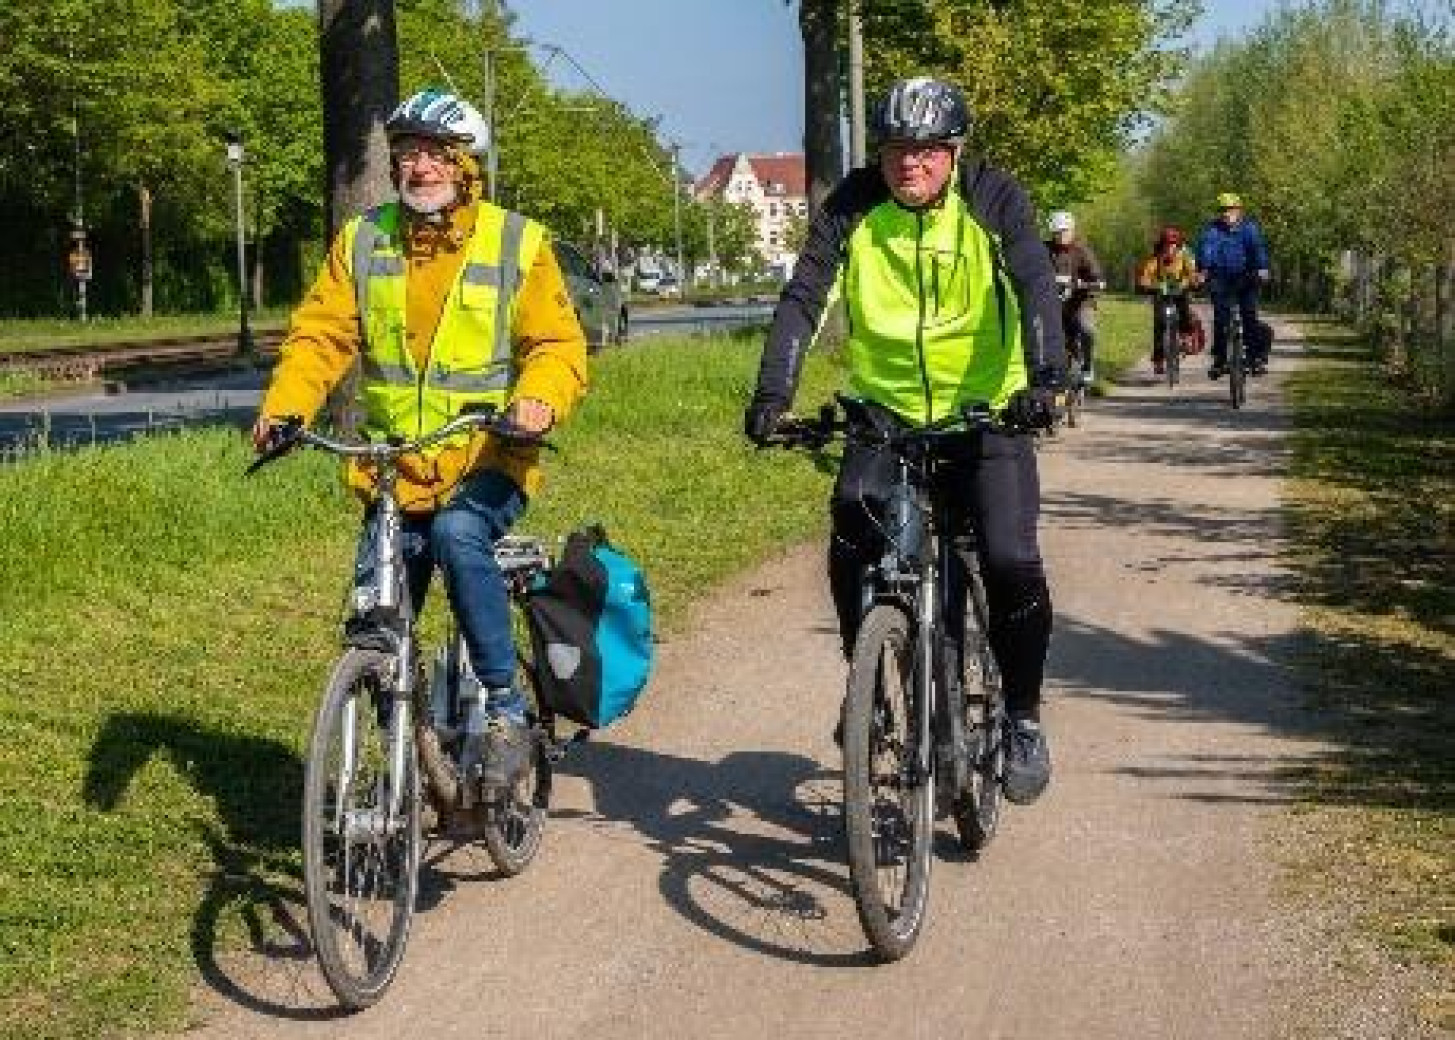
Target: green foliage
157,83
1056,88
1335,120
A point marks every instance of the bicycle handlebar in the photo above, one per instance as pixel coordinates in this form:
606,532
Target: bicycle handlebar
291,433
814,434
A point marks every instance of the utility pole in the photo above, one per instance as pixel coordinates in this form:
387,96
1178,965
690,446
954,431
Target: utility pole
80,259
492,150
677,212
858,153
236,156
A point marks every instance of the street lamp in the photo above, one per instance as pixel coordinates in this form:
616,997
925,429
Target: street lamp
235,159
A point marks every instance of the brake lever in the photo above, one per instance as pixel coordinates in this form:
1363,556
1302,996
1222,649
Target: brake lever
284,438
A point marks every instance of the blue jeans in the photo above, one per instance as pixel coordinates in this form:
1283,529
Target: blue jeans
460,539
1227,290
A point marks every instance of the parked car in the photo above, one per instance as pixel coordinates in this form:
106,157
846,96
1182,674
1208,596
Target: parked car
668,285
596,295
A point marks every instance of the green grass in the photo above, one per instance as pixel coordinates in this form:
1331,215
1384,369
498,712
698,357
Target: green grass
169,623
1124,337
17,335
1373,508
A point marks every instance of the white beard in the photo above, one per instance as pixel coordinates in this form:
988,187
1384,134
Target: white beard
429,203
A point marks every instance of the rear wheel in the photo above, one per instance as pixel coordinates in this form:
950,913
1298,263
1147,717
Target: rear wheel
977,809
361,836
888,806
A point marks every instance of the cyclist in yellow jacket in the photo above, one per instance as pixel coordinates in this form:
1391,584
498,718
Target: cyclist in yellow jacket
444,300
1170,266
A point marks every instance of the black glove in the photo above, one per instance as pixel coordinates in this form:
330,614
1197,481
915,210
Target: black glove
761,420
1035,407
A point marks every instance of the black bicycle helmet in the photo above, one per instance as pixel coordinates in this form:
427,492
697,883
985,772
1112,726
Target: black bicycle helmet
921,109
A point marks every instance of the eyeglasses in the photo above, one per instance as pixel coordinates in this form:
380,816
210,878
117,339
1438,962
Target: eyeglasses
921,152
416,152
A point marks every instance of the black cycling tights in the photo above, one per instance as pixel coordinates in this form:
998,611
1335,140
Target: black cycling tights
991,481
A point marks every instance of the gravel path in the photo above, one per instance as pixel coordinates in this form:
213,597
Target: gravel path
693,879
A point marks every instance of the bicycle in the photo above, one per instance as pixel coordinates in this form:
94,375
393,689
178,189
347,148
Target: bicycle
1066,287
923,715
1236,361
381,724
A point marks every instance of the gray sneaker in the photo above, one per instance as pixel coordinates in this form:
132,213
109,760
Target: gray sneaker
1027,761
504,752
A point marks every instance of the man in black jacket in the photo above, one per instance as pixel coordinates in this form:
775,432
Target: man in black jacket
951,301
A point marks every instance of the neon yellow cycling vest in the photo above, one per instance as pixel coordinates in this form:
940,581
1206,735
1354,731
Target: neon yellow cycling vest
470,359
933,320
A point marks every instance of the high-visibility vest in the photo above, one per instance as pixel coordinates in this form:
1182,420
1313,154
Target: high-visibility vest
934,322
470,358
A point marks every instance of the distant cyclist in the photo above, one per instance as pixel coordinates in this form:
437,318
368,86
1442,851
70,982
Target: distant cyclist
1232,259
951,302
1173,267
1073,258
445,300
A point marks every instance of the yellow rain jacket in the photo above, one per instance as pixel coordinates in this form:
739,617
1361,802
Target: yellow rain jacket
547,345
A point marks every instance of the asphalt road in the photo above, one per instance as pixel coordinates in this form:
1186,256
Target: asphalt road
232,398
693,881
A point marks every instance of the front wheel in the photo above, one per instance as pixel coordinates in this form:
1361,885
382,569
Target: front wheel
1237,369
1171,353
361,834
888,804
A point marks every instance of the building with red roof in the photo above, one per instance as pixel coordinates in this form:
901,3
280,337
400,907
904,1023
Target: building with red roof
775,186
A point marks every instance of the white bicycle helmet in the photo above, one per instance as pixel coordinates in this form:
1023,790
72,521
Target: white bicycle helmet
1061,220
443,116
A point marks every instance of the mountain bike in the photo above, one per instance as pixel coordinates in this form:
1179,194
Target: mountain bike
1066,287
387,739
923,717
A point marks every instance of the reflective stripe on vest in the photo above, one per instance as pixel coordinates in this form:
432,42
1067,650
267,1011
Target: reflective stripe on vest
470,359
933,320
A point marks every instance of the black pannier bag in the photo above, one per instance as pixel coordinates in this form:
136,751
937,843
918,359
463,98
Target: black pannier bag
591,632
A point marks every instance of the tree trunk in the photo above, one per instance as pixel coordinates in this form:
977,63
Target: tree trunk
818,21
359,70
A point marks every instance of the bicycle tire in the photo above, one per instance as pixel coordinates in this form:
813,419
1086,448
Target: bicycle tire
515,826
1073,405
356,859
1171,353
976,811
1237,375
892,835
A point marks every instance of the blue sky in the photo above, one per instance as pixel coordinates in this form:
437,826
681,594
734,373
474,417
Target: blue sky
723,75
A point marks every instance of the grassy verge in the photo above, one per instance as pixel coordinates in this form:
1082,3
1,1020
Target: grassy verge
168,625
1374,525
1124,337
17,335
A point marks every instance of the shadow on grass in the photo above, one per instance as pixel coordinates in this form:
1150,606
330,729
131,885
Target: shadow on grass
255,785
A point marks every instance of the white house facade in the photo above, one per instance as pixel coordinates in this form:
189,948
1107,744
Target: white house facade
775,186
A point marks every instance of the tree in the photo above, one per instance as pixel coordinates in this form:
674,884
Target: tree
1057,88
359,79
818,22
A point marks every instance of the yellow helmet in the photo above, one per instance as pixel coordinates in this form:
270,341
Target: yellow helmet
1229,200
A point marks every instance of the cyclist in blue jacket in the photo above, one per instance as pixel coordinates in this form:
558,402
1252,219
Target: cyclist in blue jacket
1232,259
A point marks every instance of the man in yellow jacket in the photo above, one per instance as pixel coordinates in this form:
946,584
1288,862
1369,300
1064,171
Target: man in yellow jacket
445,300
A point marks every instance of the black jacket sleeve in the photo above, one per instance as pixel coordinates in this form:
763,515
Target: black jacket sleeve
801,304
1003,206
